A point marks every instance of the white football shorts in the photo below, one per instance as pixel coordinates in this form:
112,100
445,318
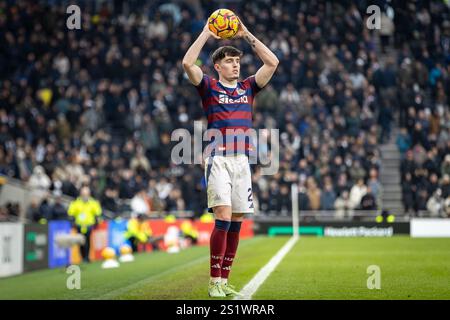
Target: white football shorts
229,182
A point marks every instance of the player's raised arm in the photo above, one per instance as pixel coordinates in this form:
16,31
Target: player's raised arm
193,71
270,60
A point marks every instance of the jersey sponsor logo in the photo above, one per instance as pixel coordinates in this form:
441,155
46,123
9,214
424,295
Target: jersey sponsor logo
240,91
227,100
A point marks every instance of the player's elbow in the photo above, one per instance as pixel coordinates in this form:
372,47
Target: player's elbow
186,64
273,63
276,62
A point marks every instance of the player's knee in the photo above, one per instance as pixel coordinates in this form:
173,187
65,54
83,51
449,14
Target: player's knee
237,217
222,213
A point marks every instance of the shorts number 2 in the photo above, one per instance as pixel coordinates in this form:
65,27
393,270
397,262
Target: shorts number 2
250,195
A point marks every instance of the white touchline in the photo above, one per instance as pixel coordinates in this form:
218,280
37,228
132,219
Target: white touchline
250,288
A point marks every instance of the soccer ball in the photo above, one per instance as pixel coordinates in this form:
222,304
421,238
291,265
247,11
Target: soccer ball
108,253
223,23
125,253
125,249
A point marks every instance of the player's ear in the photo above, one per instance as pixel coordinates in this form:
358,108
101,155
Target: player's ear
217,67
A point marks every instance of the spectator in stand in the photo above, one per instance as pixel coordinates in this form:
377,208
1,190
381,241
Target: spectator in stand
96,108
435,205
375,186
445,186
314,194
174,201
303,199
343,205
33,213
328,197
284,204
39,183
403,141
368,201
141,203
4,215
445,167
356,193
357,172
408,191
109,199
59,210
421,200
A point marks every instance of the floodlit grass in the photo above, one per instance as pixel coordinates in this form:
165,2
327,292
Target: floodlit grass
336,268
316,268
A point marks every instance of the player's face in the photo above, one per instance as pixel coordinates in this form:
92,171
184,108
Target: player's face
229,68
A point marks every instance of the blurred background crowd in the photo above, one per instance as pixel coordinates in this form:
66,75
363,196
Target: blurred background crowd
96,107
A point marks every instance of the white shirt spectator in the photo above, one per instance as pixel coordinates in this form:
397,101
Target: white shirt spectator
164,189
139,205
356,194
290,96
39,183
435,204
157,29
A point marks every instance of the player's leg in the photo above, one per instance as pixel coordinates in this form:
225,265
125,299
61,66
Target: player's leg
218,241
217,246
219,200
242,203
232,244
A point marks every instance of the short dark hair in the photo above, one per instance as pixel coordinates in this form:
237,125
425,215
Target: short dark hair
224,51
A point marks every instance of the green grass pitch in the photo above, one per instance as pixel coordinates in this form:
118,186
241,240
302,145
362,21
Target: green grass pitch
315,268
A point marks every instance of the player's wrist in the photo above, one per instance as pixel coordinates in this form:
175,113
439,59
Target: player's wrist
206,33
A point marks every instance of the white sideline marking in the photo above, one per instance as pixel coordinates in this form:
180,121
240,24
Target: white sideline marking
119,291
250,288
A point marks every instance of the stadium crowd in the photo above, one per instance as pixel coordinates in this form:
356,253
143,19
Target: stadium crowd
423,80
97,106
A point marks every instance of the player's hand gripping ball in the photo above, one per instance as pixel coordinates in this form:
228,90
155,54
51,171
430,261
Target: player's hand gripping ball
223,23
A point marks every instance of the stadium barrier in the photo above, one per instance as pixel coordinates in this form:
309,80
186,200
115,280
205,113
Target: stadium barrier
35,247
11,249
273,227
430,228
28,247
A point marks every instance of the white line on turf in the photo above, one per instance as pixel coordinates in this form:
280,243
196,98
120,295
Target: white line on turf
135,286
250,288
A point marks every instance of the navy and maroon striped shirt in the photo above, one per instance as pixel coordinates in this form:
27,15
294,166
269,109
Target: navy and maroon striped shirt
230,111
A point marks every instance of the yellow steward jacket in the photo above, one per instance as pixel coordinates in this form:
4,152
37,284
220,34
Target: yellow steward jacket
138,230
84,212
